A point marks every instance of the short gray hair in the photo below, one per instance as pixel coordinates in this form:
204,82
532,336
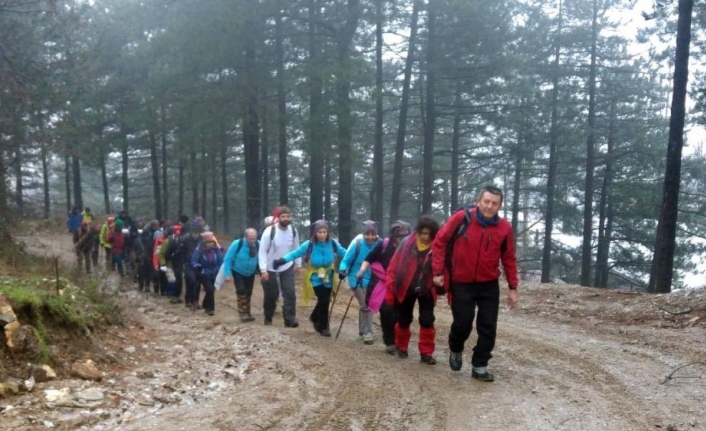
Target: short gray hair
492,190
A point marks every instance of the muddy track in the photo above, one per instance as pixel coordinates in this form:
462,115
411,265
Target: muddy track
551,374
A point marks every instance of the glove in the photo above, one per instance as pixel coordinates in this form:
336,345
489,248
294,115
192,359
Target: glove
163,268
389,298
359,275
278,262
342,274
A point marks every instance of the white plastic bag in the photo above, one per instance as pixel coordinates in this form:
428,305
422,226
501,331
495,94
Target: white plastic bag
220,279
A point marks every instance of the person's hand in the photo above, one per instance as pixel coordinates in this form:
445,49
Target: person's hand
359,275
512,298
438,280
227,278
264,276
163,268
277,263
342,274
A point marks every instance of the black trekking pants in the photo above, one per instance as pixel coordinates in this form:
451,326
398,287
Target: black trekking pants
466,298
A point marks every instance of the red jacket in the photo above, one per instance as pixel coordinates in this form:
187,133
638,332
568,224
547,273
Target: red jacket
476,256
403,267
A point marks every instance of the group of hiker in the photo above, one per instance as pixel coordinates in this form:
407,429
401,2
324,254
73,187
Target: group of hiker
411,265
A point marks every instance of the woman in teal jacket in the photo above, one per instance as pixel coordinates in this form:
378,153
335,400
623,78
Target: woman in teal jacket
320,254
350,266
241,262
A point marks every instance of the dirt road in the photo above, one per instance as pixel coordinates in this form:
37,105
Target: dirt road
179,370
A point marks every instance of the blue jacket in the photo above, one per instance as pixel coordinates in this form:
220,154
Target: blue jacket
321,257
207,263
73,221
352,266
241,263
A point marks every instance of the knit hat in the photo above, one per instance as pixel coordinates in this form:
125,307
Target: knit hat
370,226
119,223
283,209
207,237
319,224
400,229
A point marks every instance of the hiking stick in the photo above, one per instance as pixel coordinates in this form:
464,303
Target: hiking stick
333,301
344,318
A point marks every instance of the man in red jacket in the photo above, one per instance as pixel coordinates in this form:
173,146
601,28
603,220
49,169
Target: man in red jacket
467,266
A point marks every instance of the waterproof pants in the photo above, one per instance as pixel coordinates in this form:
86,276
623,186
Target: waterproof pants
280,281
243,290
319,316
405,315
466,298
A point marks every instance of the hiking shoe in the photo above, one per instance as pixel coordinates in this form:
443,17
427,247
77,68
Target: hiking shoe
428,359
368,339
325,333
246,318
455,361
293,324
482,374
210,312
402,353
268,322
391,349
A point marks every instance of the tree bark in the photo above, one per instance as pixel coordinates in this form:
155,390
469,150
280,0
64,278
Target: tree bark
661,273
251,133
154,161
553,159
430,123
45,178
104,180
163,139
224,183
281,109
587,248
455,141
344,40
181,185
194,182
125,180
203,164
76,180
378,156
316,119
328,189
265,168
19,179
603,247
67,181
396,194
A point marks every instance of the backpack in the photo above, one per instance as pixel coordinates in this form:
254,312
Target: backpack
358,246
460,231
272,235
242,241
310,248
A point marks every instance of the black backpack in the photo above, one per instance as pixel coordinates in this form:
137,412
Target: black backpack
272,235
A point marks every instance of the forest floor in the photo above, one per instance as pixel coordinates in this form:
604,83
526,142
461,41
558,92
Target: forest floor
568,358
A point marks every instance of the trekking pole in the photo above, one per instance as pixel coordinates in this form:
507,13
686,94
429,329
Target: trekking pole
333,301
344,318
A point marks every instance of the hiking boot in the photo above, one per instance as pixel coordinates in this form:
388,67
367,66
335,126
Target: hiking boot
210,312
325,333
482,374
455,361
247,317
293,324
402,353
268,322
368,339
391,349
428,359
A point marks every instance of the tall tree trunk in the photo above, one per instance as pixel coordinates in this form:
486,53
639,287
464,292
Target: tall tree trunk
603,247
251,132
163,139
430,123
45,178
608,238
665,241
344,40
378,155
204,180
125,180
316,119
265,167
67,181
181,185
396,194
224,183
195,171
214,201
517,178
104,179
154,161
553,159
328,189
281,109
455,141
76,180
19,180
587,249
4,212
